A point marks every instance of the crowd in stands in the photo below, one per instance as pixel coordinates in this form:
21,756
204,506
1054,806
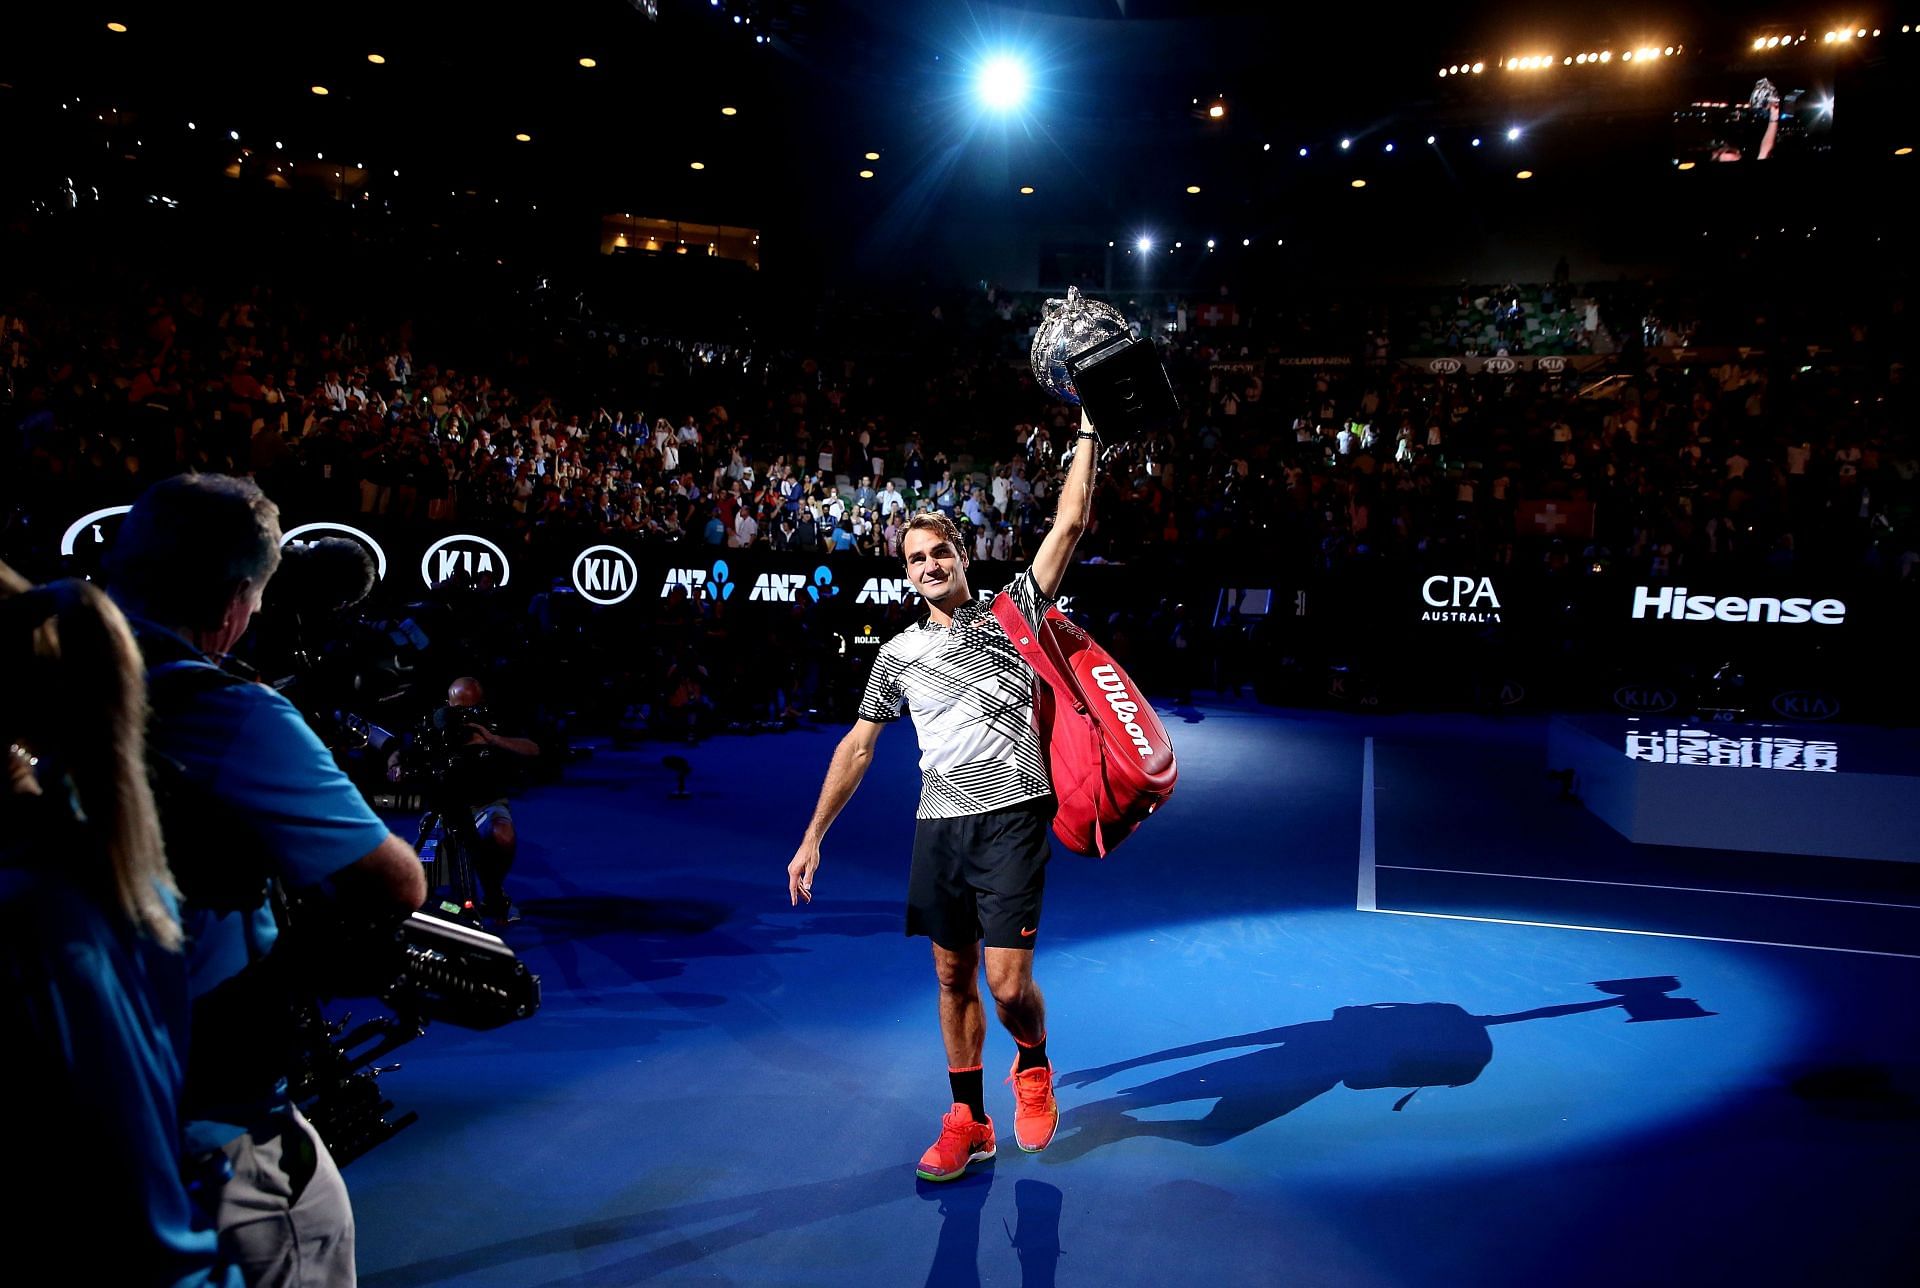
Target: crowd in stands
832,443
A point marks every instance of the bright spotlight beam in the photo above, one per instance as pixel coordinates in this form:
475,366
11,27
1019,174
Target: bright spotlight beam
1002,83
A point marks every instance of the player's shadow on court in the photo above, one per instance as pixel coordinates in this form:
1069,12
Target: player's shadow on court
1035,1240
1389,1044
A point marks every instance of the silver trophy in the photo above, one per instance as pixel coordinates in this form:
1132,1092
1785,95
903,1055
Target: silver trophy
1085,353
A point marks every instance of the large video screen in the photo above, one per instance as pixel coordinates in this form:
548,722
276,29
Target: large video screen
1774,117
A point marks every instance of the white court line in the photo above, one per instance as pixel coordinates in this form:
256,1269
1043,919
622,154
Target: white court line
1643,885
1367,901
1651,934
1364,900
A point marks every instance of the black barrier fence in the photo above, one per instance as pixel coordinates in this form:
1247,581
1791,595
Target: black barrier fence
1369,635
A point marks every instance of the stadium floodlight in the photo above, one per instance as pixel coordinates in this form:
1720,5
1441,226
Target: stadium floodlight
1144,245
1513,134
1002,83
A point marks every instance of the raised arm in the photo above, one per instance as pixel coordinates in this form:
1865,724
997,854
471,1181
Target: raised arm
1071,515
849,766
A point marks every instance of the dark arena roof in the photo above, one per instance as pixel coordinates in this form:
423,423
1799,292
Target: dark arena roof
762,116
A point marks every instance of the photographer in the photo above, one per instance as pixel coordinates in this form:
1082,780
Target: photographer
93,983
251,801
463,737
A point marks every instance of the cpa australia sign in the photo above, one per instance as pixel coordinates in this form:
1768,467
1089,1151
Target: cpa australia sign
1459,599
605,575
464,554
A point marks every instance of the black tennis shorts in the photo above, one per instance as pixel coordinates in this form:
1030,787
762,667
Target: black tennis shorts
978,879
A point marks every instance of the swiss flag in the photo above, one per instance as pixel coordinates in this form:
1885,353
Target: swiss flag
1220,313
1553,518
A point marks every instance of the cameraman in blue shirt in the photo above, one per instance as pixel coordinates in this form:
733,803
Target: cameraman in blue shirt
189,566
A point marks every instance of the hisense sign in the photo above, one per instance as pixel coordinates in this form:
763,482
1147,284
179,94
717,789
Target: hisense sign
1675,604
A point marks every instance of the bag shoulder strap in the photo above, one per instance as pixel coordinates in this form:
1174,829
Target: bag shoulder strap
1026,638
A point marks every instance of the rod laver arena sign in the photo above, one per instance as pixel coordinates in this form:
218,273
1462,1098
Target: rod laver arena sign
1674,604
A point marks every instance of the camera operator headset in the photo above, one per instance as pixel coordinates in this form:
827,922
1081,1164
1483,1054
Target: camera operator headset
250,799
469,726
93,983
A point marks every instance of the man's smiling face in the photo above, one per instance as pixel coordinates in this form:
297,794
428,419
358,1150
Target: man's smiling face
937,569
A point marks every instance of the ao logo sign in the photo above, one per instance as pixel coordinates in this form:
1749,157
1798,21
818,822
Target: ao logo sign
605,574
307,533
464,553
1675,604
93,526
1459,599
1444,366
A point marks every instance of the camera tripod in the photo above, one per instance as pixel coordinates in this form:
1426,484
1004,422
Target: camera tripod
452,883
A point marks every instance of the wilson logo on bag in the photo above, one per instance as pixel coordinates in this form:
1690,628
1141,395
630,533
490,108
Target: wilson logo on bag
1108,755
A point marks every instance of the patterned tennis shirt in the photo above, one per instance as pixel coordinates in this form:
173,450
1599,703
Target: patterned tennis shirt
971,697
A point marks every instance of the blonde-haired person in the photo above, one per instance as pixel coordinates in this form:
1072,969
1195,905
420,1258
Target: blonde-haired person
93,985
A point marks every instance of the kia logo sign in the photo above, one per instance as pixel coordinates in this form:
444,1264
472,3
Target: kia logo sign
1553,364
92,527
464,553
1444,366
605,574
1501,366
1805,704
307,533
1645,700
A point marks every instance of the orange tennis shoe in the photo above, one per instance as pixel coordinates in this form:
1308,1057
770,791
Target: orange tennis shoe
1036,1113
962,1142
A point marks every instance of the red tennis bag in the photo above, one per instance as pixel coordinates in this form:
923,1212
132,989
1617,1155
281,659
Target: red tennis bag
1109,756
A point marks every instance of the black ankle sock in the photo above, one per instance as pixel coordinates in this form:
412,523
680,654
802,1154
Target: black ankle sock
1031,1057
969,1090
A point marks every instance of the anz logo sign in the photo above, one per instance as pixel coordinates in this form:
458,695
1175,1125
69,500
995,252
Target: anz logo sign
787,587
887,590
463,553
605,575
691,580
